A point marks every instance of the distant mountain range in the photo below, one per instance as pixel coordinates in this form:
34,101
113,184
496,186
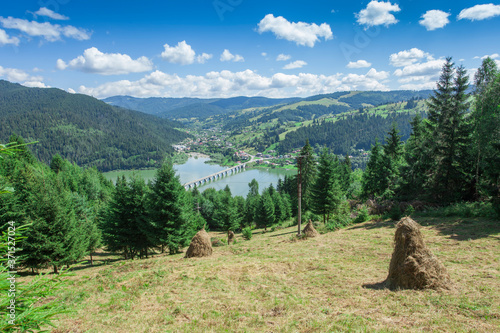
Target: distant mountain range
187,108
83,129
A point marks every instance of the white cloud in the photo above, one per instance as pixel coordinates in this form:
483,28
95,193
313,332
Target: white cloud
492,56
369,81
434,19
358,64
182,54
245,83
95,61
295,64
408,57
18,75
201,59
5,39
301,33
378,13
480,12
283,57
264,54
51,32
418,76
228,56
49,13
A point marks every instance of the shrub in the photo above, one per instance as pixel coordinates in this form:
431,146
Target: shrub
395,212
247,233
363,215
217,241
341,219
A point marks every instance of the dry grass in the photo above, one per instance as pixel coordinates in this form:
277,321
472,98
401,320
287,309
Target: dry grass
270,284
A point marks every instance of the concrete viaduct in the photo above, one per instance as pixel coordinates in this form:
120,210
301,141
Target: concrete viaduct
215,176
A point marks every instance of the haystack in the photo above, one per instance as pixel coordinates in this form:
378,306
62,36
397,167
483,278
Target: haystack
230,237
200,245
309,230
413,266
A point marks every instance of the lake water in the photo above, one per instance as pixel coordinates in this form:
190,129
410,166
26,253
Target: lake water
196,168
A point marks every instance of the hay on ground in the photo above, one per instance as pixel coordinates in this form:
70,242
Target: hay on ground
413,266
309,230
230,237
200,246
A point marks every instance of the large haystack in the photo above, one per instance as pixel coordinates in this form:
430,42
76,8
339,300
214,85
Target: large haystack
309,230
413,266
200,246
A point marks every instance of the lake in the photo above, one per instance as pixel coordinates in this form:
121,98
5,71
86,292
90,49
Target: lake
196,168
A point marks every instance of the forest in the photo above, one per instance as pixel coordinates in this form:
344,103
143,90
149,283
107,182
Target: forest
83,129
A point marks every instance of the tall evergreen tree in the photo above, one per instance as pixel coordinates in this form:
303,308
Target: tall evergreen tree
308,165
373,183
169,210
449,131
266,211
327,193
392,160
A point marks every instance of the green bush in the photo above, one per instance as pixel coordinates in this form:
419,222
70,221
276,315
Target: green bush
341,219
363,215
395,212
247,233
464,209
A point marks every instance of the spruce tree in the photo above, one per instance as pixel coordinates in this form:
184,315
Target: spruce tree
169,210
392,160
449,132
266,211
373,183
327,193
308,165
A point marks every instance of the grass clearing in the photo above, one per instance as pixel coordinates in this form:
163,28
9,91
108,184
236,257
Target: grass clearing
271,283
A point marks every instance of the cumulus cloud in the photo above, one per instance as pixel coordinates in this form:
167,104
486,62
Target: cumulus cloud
408,57
182,54
228,56
358,64
418,76
95,61
202,58
49,13
18,75
244,83
378,13
301,33
5,39
434,19
480,12
283,57
295,64
51,32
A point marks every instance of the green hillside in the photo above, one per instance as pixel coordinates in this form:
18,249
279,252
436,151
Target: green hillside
83,129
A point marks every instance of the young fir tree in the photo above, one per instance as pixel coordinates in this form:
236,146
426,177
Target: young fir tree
346,173
266,211
392,160
327,193
373,182
169,210
252,203
418,160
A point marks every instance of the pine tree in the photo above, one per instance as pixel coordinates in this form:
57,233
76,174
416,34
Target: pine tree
266,211
449,132
392,159
308,165
327,193
169,210
373,183
485,118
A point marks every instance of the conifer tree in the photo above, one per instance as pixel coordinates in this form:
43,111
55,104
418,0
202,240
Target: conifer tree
449,132
373,182
392,160
266,211
308,165
169,211
327,193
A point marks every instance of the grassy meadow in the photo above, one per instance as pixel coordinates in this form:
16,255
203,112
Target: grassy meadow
276,283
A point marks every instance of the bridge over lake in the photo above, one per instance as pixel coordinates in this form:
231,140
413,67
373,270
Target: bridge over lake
215,176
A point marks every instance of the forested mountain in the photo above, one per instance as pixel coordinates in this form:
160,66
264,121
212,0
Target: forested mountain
185,108
84,130
357,131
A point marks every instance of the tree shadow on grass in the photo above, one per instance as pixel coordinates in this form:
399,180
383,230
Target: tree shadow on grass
457,228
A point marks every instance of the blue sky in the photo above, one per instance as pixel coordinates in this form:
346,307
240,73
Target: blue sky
224,48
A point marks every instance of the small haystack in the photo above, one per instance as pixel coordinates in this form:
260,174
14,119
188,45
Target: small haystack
230,237
413,266
309,230
200,246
